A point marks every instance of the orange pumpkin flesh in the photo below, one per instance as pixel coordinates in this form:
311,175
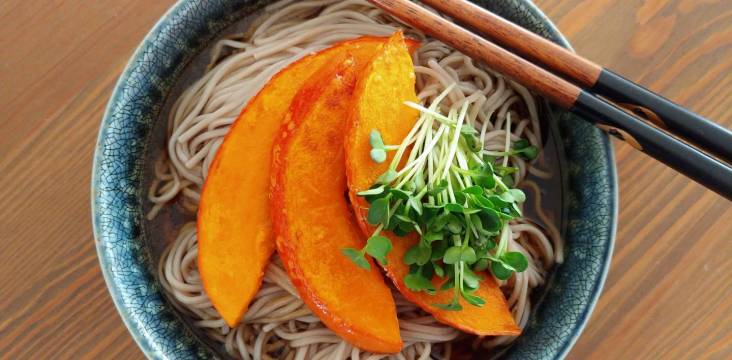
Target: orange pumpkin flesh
234,228
313,220
380,96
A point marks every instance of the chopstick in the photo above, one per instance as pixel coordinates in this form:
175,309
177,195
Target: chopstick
688,160
601,81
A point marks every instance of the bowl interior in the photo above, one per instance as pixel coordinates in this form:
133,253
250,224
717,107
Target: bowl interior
132,136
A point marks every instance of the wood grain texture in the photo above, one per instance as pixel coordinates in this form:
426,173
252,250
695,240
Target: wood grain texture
560,60
542,82
668,295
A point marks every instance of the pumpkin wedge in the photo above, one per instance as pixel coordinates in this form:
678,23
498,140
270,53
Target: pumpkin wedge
380,96
313,220
234,228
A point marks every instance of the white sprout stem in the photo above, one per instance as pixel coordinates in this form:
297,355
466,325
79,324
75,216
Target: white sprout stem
417,164
455,138
503,243
407,141
508,139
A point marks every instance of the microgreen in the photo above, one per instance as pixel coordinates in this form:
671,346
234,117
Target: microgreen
457,197
373,191
473,299
387,177
525,150
418,282
357,257
418,254
515,260
500,271
452,306
378,149
379,212
521,148
378,247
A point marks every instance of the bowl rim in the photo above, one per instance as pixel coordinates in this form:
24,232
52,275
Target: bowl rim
144,340
610,150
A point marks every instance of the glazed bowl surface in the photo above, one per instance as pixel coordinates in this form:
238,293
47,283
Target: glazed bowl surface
132,135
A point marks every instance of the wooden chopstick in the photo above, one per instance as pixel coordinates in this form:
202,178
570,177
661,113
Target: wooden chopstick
676,154
692,127
520,40
497,58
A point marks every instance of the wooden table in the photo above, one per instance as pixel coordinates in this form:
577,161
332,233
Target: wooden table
668,295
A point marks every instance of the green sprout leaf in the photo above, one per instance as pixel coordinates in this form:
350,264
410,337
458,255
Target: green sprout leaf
468,130
500,271
513,195
485,177
452,306
400,194
432,237
504,170
440,187
472,142
387,177
521,144
503,207
418,254
415,204
468,255
516,260
379,212
452,255
439,271
378,155
431,210
517,194
473,190
460,198
375,139
474,300
455,208
481,265
417,282
524,149
373,191
490,220
481,201
378,247
356,257
455,225
470,279
530,153
404,218
439,223
458,253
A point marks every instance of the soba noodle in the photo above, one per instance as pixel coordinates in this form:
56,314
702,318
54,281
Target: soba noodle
278,324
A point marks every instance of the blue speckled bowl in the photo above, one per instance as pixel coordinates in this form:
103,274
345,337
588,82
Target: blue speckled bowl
124,152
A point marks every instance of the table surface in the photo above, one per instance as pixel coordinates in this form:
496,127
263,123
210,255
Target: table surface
668,294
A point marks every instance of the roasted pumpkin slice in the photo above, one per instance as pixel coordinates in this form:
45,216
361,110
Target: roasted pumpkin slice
380,96
313,220
234,228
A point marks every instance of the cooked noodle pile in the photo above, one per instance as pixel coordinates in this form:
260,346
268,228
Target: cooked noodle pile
278,324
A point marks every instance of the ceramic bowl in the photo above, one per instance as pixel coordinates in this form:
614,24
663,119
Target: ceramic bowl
132,134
